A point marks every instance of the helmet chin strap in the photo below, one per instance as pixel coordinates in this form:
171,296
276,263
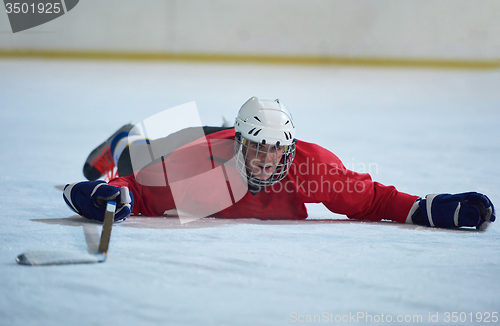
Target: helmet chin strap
253,188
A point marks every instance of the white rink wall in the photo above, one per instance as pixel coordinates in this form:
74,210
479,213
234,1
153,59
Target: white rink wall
403,29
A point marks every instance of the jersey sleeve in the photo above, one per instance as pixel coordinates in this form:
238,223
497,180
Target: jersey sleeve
152,195
182,180
346,192
371,200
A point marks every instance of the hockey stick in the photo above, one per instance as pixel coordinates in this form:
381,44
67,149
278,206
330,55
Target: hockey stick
33,258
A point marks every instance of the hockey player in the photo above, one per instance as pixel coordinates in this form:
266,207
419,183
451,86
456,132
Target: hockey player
255,170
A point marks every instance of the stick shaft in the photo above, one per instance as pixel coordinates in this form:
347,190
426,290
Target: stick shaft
107,227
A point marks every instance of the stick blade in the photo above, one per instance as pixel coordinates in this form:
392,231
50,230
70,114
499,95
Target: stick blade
37,258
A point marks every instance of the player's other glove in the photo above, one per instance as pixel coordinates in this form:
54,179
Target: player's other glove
451,211
89,199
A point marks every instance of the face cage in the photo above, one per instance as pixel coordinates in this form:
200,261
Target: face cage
243,151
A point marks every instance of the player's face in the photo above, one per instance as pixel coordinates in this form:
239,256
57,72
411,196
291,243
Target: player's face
262,160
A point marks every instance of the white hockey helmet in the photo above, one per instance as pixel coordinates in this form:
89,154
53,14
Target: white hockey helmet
265,122
268,123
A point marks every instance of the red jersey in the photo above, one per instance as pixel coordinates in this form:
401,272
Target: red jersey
199,176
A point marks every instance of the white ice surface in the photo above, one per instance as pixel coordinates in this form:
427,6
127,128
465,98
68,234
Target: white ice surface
425,131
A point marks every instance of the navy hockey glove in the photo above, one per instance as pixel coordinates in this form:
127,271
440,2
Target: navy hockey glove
89,199
450,211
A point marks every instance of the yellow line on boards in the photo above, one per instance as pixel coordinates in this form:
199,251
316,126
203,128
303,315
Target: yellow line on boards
265,59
